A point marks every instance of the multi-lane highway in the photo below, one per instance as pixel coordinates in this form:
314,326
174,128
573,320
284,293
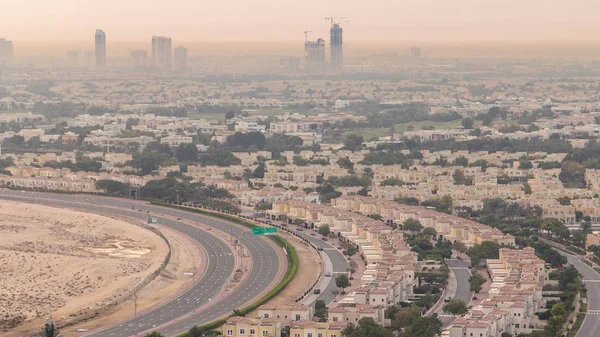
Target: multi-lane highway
180,314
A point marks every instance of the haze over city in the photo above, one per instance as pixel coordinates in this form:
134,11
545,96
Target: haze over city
333,168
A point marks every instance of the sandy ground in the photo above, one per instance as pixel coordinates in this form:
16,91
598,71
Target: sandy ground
309,268
63,263
187,257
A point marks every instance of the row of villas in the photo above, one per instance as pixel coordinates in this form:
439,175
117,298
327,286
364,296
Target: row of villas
447,225
49,179
518,277
389,277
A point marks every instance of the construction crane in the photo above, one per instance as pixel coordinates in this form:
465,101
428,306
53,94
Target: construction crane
335,20
306,35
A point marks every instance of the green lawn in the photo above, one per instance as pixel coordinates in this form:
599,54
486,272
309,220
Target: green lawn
367,134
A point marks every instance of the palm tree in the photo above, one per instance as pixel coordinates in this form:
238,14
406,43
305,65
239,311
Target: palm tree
49,329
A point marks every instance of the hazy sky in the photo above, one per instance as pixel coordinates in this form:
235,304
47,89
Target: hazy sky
261,20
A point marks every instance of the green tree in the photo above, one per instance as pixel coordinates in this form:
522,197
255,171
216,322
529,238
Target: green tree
111,187
321,314
353,142
467,123
196,331
324,230
49,329
425,327
459,247
460,178
154,334
461,161
476,282
412,225
263,206
485,250
406,317
342,281
430,232
346,163
527,188
259,172
186,153
366,327
456,307
391,182
320,304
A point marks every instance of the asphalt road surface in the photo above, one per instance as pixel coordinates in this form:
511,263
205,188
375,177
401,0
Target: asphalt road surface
463,293
591,278
338,262
179,314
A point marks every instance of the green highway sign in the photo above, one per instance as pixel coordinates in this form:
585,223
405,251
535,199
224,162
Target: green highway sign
264,231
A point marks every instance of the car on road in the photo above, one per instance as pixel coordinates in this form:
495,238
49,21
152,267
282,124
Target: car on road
317,291
447,299
328,274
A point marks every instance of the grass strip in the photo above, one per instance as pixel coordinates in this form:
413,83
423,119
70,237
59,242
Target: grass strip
292,266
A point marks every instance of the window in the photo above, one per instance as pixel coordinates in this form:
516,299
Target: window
265,333
335,319
266,315
277,316
285,316
252,332
332,335
229,332
319,334
297,317
242,331
517,326
296,335
309,334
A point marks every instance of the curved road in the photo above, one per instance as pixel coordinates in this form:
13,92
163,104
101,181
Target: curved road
591,278
339,263
178,315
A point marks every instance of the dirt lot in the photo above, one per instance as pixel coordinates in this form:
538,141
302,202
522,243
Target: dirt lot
62,263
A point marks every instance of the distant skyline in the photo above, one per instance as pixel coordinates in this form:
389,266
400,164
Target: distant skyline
285,20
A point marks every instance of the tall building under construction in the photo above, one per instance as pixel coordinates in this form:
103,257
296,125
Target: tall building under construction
336,41
315,55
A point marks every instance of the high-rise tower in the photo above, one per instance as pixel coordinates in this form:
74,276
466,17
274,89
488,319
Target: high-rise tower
336,41
315,54
100,49
161,52
181,57
139,58
6,52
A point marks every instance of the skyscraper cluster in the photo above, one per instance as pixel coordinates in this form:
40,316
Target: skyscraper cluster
314,51
161,58
6,52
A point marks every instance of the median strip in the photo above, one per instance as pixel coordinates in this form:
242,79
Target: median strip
292,265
